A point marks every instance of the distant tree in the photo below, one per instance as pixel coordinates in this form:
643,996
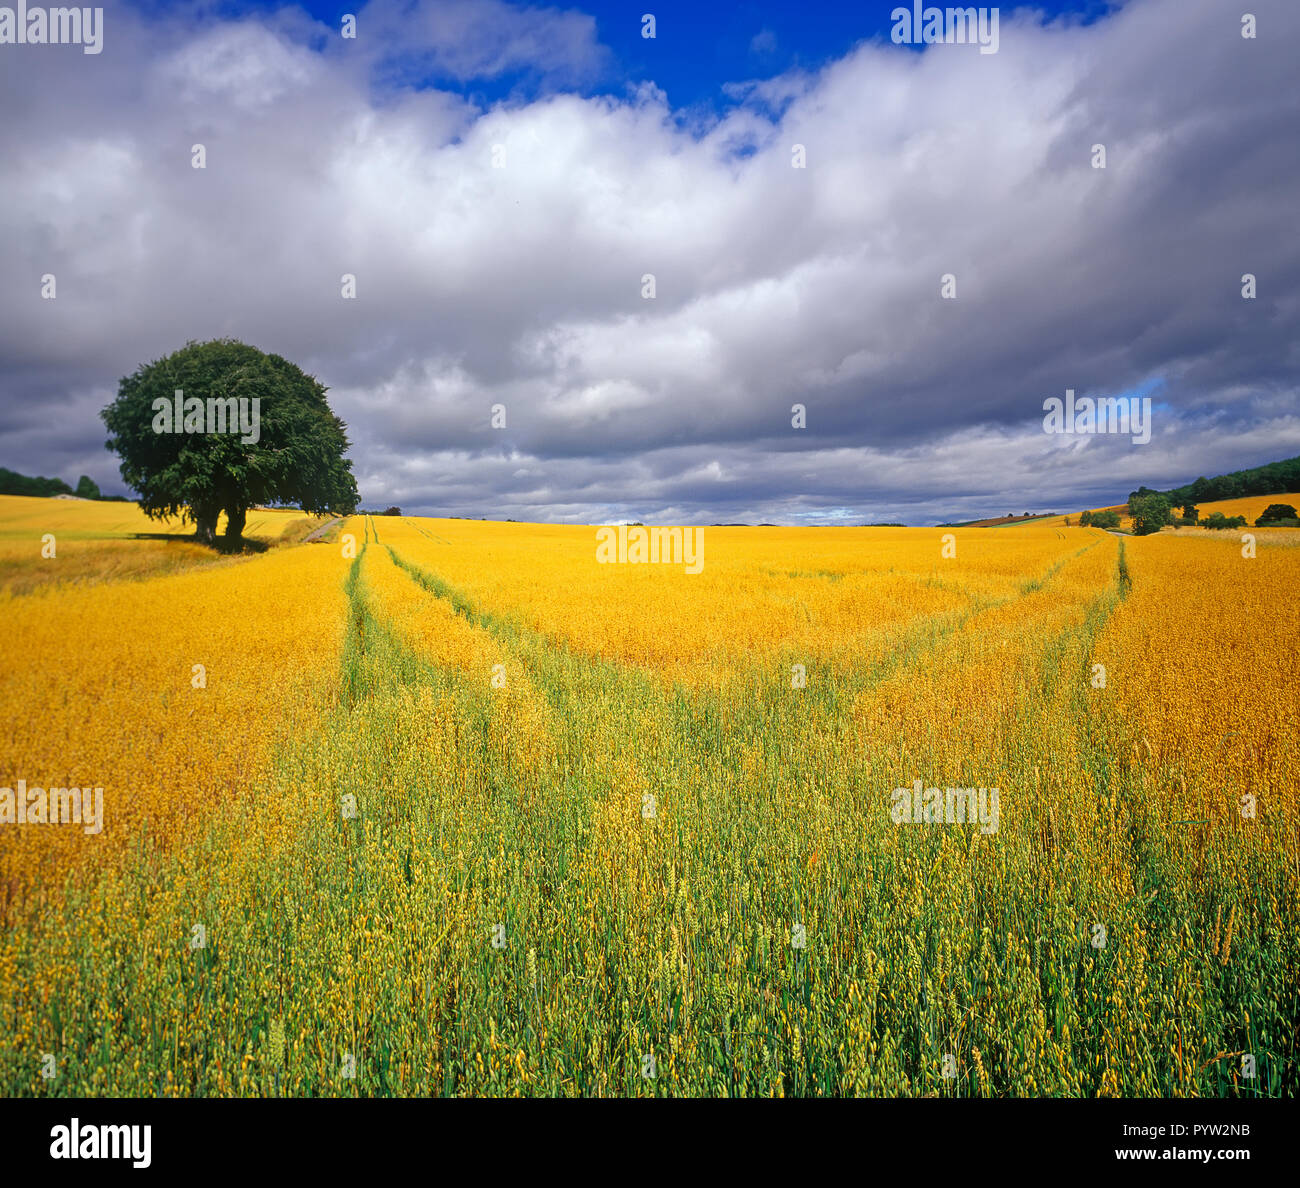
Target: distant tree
295,456
1067,521
13,483
1190,514
87,488
1085,519
1150,513
1107,519
1217,520
392,511
1277,511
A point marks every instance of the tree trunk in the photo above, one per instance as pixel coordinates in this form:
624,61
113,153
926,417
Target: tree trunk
205,527
235,519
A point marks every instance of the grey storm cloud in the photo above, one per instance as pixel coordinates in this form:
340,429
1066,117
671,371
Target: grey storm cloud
521,285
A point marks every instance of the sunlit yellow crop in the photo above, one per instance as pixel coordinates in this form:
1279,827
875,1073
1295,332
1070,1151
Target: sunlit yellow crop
459,810
69,541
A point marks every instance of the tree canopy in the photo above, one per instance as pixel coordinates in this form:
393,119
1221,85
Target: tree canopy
1273,478
13,483
1150,513
1276,513
221,426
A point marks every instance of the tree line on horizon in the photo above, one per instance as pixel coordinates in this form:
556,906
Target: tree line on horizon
13,483
1273,478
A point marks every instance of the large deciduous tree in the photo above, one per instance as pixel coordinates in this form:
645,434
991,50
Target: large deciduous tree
1275,512
1150,513
191,454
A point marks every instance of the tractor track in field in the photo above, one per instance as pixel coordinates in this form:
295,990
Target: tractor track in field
552,656
313,537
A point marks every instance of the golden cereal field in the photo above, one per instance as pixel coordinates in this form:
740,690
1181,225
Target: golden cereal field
447,807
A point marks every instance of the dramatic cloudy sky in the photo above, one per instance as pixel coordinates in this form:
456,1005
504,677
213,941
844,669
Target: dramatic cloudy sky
521,285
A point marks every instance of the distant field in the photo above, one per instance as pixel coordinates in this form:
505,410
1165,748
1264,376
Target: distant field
1000,521
108,541
83,519
1250,506
483,816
